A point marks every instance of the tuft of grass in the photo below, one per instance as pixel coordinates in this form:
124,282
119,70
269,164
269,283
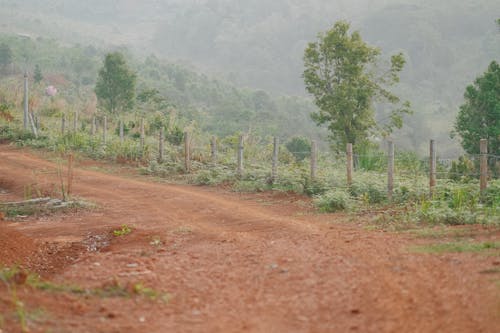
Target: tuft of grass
123,231
458,247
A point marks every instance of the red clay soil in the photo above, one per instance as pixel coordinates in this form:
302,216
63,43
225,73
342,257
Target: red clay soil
229,263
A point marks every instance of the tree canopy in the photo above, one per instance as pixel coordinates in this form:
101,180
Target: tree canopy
479,116
341,74
115,87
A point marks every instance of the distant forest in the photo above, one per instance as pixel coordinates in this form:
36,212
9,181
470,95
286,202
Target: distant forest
260,44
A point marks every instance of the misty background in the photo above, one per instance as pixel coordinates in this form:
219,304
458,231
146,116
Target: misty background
259,44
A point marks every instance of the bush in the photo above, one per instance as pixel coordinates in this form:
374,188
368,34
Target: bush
369,192
299,147
333,201
446,215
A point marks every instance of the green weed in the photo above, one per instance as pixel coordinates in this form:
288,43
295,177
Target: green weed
123,231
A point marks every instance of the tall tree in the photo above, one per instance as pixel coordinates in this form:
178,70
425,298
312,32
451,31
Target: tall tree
479,116
341,73
115,87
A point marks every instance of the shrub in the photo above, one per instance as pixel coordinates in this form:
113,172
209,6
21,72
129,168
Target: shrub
299,147
369,192
334,200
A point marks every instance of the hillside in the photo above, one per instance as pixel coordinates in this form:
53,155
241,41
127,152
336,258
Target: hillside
260,44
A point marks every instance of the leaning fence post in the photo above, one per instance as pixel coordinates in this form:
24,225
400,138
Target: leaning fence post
314,157
240,156
390,171
483,148
432,167
161,139
274,171
349,164
213,149
187,153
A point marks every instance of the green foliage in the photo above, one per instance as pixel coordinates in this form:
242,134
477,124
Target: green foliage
300,147
462,170
334,200
369,192
115,87
479,117
123,231
338,74
37,74
370,158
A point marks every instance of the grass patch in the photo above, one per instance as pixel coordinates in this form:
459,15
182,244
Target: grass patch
46,208
459,247
13,276
444,232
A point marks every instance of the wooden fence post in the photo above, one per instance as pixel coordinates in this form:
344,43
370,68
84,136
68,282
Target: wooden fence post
314,159
349,164
121,130
161,139
70,174
75,122
274,171
213,149
187,153
142,134
93,128
63,123
240,155
26,102
105,130
432,167
483,146
390,171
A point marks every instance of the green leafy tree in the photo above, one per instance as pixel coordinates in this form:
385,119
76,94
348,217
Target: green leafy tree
341,73
115,87
38,76
479,116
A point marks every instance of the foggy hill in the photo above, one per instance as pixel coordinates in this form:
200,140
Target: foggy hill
260,43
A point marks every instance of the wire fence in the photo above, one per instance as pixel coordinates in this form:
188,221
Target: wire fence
247,154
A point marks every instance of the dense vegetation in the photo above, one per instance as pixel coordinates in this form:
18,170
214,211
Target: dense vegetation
195,99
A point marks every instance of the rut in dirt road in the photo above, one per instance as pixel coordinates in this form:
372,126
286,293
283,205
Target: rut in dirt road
234,265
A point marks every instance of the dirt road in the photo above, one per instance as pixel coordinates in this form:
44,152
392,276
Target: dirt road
230,263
